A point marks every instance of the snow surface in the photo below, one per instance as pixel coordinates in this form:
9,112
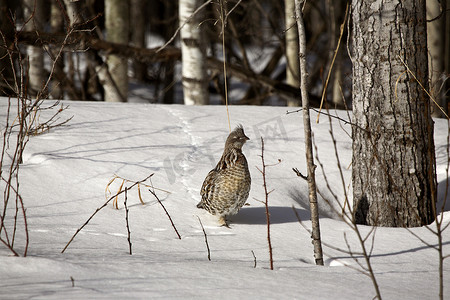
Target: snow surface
66,171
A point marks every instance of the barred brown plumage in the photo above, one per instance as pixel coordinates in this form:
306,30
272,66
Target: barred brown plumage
226,187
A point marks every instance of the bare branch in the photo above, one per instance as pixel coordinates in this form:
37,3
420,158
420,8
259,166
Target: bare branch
167,213
126,219
206,238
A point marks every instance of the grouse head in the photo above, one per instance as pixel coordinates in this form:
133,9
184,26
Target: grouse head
237,138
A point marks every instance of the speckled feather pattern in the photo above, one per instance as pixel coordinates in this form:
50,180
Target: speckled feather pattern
226,187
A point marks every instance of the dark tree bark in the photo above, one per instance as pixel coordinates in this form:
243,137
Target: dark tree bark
7,86
394,181
138,16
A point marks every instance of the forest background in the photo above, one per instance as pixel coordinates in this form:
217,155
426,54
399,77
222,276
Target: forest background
112,49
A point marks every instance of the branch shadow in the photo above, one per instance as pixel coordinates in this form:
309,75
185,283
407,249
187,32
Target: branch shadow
278,215
443,190
387,254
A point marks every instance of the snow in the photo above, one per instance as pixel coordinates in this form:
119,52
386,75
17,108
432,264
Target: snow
66,171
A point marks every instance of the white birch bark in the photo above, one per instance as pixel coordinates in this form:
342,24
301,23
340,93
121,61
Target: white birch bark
193,52
35,10
292,62
115,78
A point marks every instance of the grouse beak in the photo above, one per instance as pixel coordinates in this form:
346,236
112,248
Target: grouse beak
246,138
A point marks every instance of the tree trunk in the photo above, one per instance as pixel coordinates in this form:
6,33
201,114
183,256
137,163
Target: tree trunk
446,6
336,11
394,181
193,52
311,167
57,26
292,64
6,69
137,11
436,54
170,10
34,13
115,78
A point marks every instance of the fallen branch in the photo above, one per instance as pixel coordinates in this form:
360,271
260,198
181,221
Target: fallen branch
82,41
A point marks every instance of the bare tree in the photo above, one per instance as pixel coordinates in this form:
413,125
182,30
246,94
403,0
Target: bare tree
394,180
193,52
311,167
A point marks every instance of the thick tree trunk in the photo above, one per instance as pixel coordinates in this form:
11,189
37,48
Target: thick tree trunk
436,36
115,78
394,181
193,53
292,63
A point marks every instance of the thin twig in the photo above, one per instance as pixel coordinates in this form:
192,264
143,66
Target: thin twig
223,21
206,238
266,203
126,219
425,90
332,62
254,259
167,213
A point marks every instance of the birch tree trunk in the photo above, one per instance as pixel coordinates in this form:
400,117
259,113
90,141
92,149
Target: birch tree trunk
115,78
436,36
34,9
193,52
292,64
394,181
311,167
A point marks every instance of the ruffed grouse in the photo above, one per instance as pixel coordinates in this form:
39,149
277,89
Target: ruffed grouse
227,186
